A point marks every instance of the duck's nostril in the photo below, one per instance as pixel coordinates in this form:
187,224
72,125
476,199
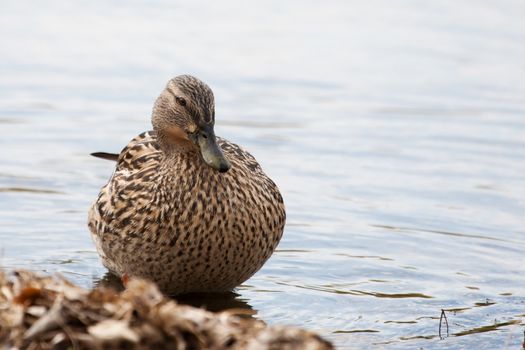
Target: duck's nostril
224,167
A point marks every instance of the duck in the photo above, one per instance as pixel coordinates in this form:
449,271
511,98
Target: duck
184,208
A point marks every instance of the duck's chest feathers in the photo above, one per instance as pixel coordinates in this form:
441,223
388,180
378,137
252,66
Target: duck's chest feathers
197,195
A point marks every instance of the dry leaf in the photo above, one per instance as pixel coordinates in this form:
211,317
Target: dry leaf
113,330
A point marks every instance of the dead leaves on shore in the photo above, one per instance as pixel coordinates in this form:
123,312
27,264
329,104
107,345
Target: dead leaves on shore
51,313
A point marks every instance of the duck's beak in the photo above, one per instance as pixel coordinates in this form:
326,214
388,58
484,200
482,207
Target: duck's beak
211,152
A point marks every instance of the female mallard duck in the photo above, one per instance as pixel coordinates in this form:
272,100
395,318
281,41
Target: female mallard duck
184,208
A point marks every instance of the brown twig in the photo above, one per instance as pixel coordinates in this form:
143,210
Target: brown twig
443,316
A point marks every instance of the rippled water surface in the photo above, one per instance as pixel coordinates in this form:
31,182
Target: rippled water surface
396,132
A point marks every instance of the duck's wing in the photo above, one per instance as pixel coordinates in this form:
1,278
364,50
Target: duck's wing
140,151
122,205
141,145
239,156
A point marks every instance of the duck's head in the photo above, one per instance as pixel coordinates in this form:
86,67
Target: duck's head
184,116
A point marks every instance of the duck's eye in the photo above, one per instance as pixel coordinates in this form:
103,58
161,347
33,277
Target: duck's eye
180,101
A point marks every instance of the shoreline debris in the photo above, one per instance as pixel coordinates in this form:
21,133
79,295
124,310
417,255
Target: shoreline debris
49,312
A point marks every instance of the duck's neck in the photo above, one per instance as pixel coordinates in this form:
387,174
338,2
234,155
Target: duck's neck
177,149
171,143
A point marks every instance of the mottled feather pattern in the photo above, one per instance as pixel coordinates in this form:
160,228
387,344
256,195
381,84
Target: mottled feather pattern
183,224
200,97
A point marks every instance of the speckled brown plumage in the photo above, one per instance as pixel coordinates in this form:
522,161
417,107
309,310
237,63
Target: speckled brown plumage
169,216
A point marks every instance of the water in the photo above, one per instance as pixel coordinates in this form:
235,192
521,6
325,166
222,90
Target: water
396,133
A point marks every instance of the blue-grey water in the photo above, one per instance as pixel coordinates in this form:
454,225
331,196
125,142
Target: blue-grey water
395,130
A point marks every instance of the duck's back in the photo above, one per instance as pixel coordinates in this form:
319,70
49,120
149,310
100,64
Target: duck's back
182,224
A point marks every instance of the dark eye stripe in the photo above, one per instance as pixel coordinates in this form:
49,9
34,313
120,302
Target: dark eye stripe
168,89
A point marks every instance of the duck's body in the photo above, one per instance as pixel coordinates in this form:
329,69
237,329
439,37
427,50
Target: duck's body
169,216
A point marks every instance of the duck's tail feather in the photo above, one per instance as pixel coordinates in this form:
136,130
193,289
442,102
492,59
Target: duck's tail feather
104,155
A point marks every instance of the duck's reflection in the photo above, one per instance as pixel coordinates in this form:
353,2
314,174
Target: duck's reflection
108,280
210,301
218,302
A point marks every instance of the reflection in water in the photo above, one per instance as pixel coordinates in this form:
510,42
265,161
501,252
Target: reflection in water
356,331
109,280
218,302
356,292
8,121
29,190
210,301
365,256
488,328
440,232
